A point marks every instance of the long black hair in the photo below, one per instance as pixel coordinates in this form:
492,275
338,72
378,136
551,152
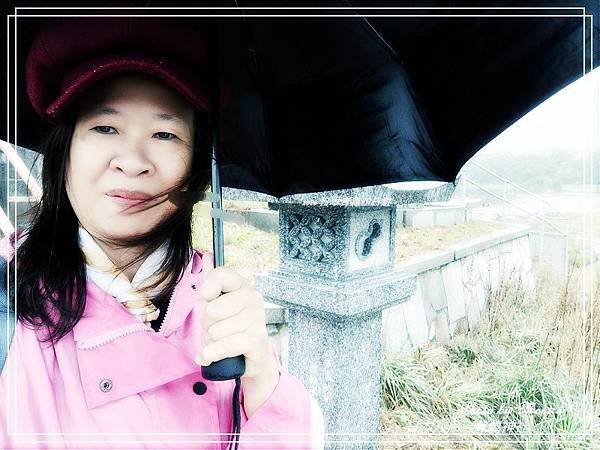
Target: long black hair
51,275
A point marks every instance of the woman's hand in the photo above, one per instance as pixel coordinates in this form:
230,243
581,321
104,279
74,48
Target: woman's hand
234,323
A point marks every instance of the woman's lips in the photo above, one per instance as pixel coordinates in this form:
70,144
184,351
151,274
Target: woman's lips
131,195
127,198
127,201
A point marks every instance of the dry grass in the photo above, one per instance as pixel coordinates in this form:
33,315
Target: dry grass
415,241
532,366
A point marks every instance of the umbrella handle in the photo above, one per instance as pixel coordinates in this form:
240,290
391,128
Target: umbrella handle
233,367
225,369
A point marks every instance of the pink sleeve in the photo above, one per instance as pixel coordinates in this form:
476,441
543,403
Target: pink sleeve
283,421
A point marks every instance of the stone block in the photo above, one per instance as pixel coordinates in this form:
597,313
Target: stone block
274,314
432,288
453,287
336,243
420,218
473,313
394,332
335,361
473,283
427,261
430,311
416,320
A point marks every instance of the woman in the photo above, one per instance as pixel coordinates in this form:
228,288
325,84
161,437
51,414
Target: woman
116,311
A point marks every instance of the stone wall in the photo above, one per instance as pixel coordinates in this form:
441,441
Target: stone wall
437,214
453,287
451,293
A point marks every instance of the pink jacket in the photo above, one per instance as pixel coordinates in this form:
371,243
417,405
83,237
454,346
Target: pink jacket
112,382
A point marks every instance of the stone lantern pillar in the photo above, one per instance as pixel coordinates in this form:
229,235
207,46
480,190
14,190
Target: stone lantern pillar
335,277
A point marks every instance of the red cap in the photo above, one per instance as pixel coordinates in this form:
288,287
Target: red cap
70,55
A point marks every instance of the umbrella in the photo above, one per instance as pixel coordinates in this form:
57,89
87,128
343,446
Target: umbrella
320,104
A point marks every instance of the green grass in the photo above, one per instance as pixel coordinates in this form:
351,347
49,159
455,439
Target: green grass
519,374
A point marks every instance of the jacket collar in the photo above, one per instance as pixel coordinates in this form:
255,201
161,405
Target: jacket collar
104,315
114,345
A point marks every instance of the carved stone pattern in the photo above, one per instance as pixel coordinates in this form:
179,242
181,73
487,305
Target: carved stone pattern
365,239
310,237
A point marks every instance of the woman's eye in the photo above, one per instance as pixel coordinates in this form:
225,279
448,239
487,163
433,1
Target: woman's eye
167,133
99,127
164,135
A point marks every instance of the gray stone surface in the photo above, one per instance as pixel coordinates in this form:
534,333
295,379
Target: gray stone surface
426,299
392,194
424,218
435,214
471,279
372,226
275,314
447,217
336,275
336,243
427,261
473,313
416,319
432,287
453,287
339,365
343,300
393,330
493,259
522,249
469,247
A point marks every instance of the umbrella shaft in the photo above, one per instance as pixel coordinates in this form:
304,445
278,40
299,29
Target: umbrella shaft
216,204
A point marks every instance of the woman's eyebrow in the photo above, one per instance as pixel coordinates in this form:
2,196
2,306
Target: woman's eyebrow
169,117
110,111
101,111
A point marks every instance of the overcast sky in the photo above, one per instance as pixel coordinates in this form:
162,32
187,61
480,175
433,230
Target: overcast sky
570,119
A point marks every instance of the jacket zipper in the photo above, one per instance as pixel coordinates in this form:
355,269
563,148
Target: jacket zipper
105,338
161,329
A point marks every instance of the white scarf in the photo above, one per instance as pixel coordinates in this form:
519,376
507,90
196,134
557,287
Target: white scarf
134,295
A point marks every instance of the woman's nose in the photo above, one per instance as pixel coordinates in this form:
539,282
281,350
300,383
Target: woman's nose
132,161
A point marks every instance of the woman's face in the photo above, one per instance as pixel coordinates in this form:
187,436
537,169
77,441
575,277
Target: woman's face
132,133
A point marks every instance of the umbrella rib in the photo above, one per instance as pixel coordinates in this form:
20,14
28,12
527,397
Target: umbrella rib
381,38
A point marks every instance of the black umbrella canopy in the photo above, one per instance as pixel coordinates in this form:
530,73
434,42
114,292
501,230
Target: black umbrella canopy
325,103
